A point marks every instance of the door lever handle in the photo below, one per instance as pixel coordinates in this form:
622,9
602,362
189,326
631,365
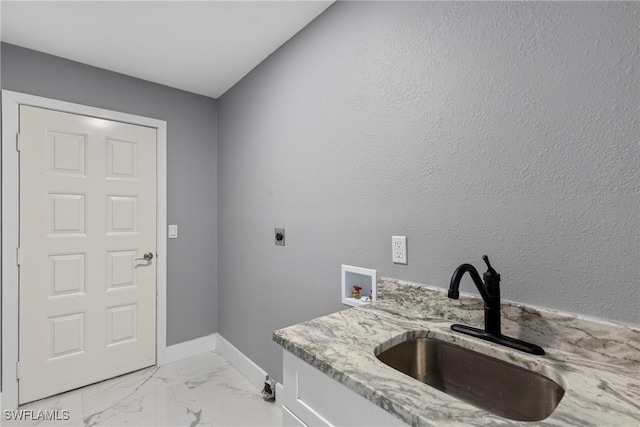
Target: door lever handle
146,257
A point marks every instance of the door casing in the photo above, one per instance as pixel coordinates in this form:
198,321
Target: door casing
10,227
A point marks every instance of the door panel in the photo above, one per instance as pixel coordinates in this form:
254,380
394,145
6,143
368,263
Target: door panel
87,216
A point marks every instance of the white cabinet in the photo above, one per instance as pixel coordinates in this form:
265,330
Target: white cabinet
311,398
289,419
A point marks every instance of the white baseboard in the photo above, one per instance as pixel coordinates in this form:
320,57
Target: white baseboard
246,366
189,348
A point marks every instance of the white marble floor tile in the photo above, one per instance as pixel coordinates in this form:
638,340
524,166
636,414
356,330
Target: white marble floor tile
52,408
204,390
105,394
230,401
166,406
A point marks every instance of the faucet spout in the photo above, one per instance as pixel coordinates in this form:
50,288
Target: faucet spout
457,276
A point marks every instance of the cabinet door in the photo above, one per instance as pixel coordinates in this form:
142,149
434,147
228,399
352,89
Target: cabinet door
290,420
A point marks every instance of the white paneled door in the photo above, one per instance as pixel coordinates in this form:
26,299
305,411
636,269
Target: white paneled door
87,250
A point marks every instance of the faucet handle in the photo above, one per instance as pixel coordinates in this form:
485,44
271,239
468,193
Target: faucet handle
490,271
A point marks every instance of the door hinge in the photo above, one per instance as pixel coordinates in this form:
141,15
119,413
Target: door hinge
18,256
18,370
18,142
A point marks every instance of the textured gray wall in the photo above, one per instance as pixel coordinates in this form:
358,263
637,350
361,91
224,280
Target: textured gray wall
0,233
507,129
192,199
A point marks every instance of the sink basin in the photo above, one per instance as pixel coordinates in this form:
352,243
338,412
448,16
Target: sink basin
485,382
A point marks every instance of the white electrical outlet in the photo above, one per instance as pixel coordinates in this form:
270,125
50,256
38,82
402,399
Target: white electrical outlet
399,249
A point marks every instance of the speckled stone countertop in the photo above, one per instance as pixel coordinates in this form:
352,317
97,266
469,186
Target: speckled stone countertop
597,363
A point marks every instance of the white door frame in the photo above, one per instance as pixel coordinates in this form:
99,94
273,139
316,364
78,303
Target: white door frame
11,102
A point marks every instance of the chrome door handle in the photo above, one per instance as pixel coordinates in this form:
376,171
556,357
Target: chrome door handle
146,257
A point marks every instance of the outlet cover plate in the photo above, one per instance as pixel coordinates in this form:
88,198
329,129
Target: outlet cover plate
399,249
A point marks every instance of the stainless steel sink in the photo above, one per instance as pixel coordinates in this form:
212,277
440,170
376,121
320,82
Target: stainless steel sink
485,382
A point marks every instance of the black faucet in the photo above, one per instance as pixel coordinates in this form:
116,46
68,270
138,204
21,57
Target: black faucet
490,292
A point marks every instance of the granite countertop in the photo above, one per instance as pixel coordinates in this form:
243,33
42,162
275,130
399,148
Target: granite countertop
596,362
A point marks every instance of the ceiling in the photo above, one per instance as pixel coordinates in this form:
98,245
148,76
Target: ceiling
203,47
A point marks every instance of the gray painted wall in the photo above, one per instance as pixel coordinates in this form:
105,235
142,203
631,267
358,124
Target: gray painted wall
0,233
192,149
507,129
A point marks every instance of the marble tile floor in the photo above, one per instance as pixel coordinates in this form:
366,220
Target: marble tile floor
203,390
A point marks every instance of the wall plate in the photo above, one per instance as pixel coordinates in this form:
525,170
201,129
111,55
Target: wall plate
279,236
399,249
